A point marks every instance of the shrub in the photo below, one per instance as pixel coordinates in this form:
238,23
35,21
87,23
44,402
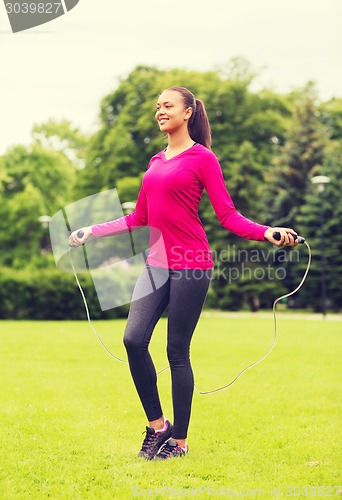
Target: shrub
50,294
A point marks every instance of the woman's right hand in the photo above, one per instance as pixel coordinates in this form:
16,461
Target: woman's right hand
75,241
286,236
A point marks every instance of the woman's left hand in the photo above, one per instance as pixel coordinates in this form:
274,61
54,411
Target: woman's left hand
286,236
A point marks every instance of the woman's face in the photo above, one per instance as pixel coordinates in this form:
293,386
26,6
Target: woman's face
171,112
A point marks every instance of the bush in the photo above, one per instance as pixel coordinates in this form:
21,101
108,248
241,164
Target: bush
50,294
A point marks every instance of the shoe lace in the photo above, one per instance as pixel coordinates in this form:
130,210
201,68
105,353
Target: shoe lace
167,450
149,440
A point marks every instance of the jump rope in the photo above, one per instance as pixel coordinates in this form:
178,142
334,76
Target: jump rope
276,236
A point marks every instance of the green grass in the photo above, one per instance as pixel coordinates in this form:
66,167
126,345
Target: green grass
71,424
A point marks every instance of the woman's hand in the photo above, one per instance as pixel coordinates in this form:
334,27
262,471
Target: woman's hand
75,241
286,236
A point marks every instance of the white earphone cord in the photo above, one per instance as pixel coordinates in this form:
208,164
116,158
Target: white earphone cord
167,367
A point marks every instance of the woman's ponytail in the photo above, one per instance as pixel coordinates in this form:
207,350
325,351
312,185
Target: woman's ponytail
199,126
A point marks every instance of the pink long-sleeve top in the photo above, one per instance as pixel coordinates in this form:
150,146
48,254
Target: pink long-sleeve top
168,203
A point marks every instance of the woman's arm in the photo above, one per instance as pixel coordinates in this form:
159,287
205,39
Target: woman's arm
229,217
136,219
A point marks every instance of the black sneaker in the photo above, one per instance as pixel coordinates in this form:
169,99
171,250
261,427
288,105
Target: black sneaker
154,440
171,449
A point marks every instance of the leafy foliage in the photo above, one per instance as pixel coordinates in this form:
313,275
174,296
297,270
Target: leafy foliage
320,218
25,294
300,157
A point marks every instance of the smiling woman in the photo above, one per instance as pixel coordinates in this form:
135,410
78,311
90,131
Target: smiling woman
179,267
177,108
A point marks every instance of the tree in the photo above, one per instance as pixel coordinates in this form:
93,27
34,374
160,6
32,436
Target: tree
63,137
34,182
331,117
301,155
309,218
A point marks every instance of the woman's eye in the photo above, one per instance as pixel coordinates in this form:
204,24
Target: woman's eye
167,106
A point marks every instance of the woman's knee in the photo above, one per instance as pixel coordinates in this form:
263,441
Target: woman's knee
178,352
133,341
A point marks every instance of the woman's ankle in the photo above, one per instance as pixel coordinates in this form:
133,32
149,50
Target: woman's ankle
181,442
158,424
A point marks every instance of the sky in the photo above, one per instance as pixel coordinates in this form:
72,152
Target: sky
62,69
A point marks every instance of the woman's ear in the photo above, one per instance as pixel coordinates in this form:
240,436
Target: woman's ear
188,113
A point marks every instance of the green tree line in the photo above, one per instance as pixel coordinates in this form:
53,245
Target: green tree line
270,145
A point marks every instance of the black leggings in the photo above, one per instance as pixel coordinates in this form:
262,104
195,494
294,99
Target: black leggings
184,291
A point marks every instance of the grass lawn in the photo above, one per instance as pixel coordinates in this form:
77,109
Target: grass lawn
71,423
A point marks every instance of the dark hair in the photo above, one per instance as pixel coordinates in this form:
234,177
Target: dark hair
199,126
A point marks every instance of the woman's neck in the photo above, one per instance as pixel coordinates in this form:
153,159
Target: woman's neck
179,141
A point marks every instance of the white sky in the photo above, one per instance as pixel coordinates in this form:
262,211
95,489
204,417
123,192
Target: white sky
62,69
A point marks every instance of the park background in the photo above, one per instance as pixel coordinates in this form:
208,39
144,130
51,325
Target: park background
271,147
77,104
81,123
